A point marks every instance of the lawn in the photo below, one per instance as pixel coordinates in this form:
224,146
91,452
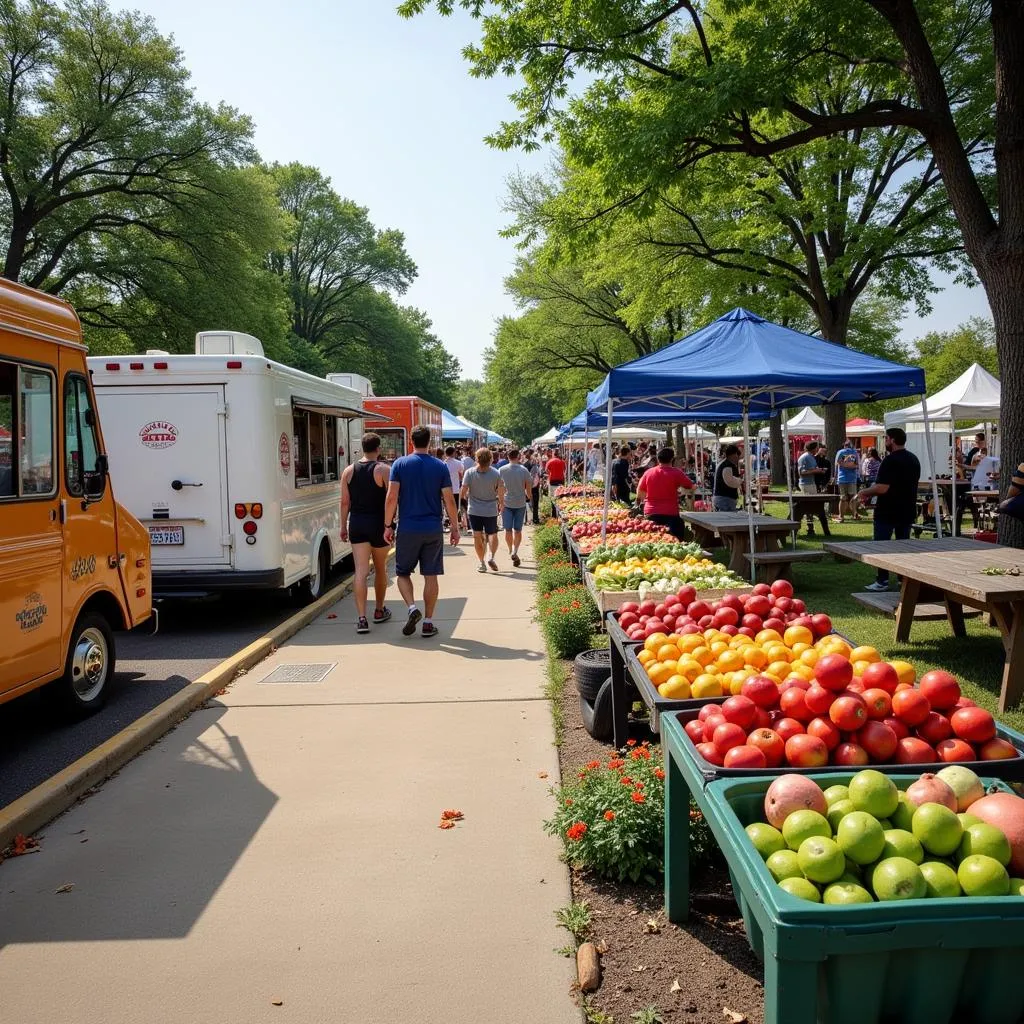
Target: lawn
976,660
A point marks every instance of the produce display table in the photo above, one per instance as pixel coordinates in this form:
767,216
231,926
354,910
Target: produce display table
952,568
734,530
810,506
622,685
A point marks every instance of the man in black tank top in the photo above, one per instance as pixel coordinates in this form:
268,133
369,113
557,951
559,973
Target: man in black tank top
364,486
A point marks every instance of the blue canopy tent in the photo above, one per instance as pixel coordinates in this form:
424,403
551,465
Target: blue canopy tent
454,428
493,438
761,367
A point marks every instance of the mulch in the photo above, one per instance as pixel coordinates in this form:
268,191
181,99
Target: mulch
643,955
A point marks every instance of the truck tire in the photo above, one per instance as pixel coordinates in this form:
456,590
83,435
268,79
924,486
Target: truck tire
88,668
597,714
315,584
590,670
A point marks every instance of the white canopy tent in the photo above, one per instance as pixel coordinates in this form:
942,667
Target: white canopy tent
869,429
806,421
550,437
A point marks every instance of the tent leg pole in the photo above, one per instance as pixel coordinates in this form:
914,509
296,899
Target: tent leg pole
789,470
746,477
607,472
931,461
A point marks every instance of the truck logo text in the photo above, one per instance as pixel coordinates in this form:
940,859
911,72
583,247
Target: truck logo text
158,434
284,453
32,615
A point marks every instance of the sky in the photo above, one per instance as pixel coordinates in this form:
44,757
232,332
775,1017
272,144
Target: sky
386,108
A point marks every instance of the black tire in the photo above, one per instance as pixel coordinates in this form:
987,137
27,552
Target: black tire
315,585
597,714
590,670
88,667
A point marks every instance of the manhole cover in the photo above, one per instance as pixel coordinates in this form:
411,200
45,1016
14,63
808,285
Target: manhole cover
299,673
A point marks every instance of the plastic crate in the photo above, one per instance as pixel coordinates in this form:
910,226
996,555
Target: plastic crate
674,732
930,961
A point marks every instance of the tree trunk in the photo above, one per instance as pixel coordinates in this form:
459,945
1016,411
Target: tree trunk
677,443
835,428
779,453
15,257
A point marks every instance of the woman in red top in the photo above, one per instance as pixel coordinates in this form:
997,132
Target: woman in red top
659,490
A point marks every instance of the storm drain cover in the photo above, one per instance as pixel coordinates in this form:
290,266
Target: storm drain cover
299,673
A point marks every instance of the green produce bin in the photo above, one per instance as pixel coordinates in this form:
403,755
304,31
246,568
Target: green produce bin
930,961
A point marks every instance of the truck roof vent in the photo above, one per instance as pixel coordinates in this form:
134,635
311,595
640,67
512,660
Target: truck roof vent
157,352
227,343
354,381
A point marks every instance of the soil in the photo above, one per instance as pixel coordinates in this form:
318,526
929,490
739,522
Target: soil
709,957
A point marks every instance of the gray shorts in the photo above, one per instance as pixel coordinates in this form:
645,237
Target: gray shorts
808,487
847,490
722,504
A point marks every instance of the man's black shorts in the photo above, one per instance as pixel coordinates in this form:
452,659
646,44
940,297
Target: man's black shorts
424,549
367,530
483,524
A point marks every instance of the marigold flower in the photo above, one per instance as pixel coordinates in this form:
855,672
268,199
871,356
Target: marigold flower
564,610
615,763
638,785
593,764
575,832
609,815
659,773
626,780
630,743
638,798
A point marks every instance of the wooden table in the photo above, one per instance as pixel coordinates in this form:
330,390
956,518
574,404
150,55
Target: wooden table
807,505
734,530
951,568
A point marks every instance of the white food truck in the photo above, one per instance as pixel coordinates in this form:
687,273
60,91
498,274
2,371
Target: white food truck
232,461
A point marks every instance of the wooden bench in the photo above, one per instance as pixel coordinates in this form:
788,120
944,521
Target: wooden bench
773,565
886,603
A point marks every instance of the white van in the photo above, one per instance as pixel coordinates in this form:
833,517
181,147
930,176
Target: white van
232,461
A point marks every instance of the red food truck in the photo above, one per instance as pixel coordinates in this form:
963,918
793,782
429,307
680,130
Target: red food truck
398,415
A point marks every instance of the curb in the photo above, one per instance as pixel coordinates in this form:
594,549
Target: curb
39,806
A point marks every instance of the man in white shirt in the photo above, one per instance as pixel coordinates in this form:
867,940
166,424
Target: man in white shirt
456,470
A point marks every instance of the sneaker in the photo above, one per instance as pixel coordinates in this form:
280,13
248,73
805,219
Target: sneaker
481,567
877,586
410,623
429,629
381,615
362,626
516,560
493,564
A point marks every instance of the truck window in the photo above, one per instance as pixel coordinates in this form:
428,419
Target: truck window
8,379
35,427
80,448
331,446
317,467
300,431
392,443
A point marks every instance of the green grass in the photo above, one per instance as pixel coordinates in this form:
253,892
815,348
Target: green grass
557,676
976,660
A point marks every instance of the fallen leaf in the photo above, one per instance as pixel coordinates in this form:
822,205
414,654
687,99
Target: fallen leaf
602,947
542,775
733,1017
652,927
66,887
24,844
443,823
277,1002
332,615
452,815
676,987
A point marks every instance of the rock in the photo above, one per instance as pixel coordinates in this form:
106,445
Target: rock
588,967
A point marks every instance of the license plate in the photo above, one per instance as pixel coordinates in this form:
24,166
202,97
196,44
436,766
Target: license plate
167,535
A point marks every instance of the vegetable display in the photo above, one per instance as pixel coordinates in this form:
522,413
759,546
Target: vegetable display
623,525
645,574
620,552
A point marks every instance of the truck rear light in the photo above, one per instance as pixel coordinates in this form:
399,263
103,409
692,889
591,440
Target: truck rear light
249,528
113,366
159,366
257,510
140,592
241,511
234,364
136,366
139,563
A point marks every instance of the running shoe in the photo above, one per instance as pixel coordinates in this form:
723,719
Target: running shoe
381,615
493,564
877,586
429,629
516,561
481,567
410,623
362,626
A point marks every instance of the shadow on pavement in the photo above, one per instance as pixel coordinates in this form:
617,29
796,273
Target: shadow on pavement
145,854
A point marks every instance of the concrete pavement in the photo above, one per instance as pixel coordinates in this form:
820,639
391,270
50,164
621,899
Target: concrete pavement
281,845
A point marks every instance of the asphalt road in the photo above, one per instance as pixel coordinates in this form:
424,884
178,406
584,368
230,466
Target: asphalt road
194,637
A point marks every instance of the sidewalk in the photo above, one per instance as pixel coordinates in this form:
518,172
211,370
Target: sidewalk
282,843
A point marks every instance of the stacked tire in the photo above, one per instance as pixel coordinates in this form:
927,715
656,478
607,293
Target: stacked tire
592,672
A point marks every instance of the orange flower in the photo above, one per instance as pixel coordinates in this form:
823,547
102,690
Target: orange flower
615,762
568,803
659,773
609,815
626,780
630,743
575,832
638,798
452,815
638,785
593,764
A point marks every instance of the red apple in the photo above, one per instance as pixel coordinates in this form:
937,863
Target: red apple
975,725
770,743
955,750
726,617
698,609
880,675
752,621
709,709
902,732
695,730
818,699
878,740
710,753
851,754
712,722
686,595
854,686
762,718
782,588
761,690
647,608
779,625
784,604
741,711
761,589
878,703
792,702
732,601
848,712
910,706
804,620
790,681
706,621
798,606
913,750
745,756
821,625
690,627
825,730
834,672
964,702
941,689
758,605
729,630
935,728
629,606
997,749
805,751
750,631
728,735
788,727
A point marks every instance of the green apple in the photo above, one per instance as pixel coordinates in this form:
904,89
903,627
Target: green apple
837,811
899,843
986,839
980,875
860,837
1017,886
766,840
803,824
938,829
897,878
967,819
821,860
941,879
903,816
836,793
784,864
802,888
841,892
874,792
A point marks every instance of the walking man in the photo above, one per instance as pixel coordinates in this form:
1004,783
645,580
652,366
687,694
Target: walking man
457,471
518,492
483,487
896,490
420,486
533,465
555,471
846,479
808,471
363,493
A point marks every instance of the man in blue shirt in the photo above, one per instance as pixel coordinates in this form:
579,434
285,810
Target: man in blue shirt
420,485
847,461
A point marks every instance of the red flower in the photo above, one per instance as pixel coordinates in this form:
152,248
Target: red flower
659,773
593,764
638,785
626,780
630,743
568,803
575,832
615,763
609,815
638,798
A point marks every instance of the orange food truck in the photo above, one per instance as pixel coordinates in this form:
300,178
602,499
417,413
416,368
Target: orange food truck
74,565
397,416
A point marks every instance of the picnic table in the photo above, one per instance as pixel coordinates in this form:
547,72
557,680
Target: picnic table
733,529
809,505
951,569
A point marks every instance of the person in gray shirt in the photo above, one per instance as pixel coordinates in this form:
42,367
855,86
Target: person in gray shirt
518,483
483,487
